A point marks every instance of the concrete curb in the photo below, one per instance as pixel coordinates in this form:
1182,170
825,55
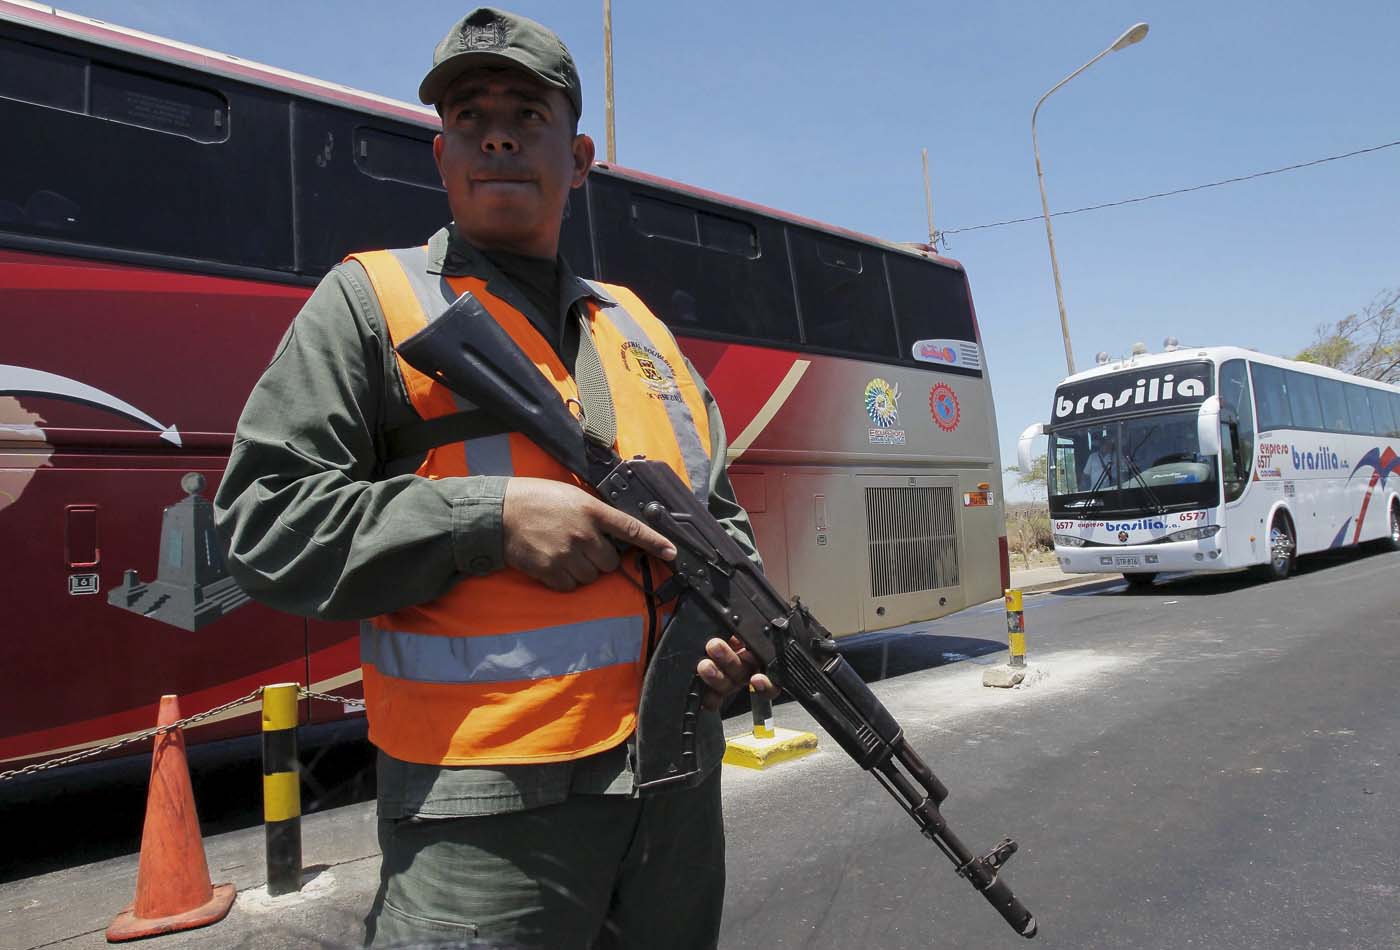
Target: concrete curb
1069,580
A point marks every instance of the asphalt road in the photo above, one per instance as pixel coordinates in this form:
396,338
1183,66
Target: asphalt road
1209,763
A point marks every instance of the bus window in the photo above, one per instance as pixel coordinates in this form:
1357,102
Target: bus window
1065,469
651,241
202,190
1302,400
727,235
157,104
359,186
1271,397
930,302
1380,411
1360,409
842,295
44,77
1335,417
1237,438
392,157
1395,414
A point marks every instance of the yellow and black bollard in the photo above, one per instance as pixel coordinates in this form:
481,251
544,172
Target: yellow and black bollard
281,788
1015,628
762,715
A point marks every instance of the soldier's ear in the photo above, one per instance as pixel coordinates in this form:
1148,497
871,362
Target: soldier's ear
583,154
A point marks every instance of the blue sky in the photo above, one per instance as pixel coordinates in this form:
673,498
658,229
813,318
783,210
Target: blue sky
821,109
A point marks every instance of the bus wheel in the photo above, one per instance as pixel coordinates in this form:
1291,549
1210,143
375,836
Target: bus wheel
1140,580
1395,526
1283,550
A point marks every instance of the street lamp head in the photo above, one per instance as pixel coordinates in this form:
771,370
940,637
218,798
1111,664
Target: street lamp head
1134,34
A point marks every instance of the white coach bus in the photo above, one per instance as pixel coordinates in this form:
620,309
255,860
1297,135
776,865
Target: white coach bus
1217,458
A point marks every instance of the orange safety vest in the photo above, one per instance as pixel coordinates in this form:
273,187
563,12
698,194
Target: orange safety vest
501,670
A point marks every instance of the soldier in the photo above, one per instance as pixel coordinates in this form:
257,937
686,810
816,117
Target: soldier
504,638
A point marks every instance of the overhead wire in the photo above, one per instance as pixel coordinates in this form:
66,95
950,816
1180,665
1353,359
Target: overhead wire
942,235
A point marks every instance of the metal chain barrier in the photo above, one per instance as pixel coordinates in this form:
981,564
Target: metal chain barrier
161,730
332,698
137,737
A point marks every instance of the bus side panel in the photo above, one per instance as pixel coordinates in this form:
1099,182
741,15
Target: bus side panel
759,491
118,397
116,597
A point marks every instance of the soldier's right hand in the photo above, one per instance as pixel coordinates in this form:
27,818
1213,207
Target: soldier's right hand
559,534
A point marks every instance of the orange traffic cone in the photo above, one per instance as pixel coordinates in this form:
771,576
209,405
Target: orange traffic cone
173,891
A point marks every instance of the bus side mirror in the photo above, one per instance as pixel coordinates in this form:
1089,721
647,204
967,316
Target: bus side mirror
1208,426
1027,443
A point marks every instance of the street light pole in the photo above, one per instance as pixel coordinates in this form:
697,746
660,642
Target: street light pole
1130,36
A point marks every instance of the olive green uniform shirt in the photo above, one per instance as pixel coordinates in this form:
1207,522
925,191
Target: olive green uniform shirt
320,521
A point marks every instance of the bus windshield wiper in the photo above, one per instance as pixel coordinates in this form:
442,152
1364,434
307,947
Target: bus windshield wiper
1157,507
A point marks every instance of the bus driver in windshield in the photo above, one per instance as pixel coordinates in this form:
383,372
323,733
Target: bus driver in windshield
1099,470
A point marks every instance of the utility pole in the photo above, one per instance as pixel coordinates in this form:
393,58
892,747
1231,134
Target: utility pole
608,81
928,203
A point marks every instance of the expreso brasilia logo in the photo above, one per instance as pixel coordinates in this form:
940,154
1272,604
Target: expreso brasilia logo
882,403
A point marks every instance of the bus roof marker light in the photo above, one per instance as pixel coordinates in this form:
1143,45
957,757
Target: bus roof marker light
1139,348
1102,357
1171,344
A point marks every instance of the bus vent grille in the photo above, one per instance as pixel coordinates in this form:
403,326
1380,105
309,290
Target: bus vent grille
913,541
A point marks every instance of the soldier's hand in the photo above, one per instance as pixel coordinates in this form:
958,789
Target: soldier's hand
729,667
559,534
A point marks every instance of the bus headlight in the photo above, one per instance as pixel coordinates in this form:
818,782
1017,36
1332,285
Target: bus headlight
1068,540
1195,534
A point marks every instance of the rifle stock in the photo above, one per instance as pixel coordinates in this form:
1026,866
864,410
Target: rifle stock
716,588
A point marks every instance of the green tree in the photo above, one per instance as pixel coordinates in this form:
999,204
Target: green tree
1365,344
1028,525
1033,480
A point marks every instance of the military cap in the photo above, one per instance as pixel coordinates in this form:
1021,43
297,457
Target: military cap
487,35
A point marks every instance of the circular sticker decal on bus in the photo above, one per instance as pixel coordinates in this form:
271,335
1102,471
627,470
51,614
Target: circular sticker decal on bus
943,406
882,403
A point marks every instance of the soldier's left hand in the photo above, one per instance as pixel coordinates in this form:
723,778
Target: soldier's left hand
729,667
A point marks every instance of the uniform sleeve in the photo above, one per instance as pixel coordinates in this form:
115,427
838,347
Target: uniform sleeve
310,524
723,505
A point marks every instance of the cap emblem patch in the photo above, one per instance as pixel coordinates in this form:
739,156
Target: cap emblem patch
489,36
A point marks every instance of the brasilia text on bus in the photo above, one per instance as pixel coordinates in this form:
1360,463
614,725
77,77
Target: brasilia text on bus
1143,525
1143,392
1323,460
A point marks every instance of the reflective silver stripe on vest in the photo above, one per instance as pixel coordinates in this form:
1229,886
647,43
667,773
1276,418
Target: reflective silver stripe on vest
697,460
502,658
489,455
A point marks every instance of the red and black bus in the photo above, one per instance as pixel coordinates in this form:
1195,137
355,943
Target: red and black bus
164,212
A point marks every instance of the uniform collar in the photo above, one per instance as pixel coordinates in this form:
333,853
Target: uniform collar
450,256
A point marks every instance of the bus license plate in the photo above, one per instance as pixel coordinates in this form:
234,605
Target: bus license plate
1126,560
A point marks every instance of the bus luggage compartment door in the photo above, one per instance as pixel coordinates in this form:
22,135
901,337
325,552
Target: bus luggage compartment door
825,546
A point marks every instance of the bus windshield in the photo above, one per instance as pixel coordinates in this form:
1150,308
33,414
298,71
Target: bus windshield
1145,465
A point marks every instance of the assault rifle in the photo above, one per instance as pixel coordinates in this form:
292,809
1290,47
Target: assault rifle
714,585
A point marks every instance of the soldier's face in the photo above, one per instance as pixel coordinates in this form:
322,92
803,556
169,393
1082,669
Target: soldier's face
508,156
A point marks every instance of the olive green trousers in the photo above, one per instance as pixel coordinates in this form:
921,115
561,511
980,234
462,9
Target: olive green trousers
595,872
